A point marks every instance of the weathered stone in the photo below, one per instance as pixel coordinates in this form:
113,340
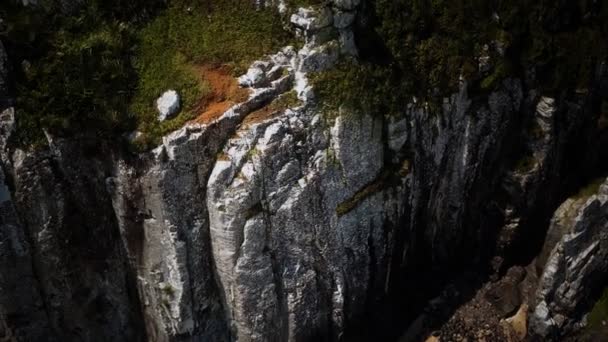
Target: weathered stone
255,76
168,104
397,133
310,19
284,226
258,198
22,308
575,262
343,19
347,43
318,58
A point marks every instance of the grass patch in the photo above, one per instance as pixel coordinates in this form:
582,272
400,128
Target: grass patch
186,36
362,86
500,72
283,102
100,69
287,100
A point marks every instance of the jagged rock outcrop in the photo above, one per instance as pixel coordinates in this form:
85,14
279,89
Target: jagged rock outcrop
290,195
456,154
4,97
23,315
574,261
164,222
78,262
181,237
295,224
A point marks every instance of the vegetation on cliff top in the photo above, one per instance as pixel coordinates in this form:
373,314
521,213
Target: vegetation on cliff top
183,37
422,48
99,70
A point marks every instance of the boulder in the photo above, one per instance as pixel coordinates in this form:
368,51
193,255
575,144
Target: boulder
168,105
576,263
256,75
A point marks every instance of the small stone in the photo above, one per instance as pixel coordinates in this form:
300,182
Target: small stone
168,105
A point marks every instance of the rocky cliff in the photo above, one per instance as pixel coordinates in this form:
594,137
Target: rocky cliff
297,223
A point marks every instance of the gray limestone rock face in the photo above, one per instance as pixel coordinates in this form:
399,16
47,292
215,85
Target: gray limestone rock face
455,153
164,220
74,270
260,208
288,224
3,77
23,316
576,259
289,196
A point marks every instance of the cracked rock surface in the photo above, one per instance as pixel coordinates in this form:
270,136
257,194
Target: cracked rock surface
295,224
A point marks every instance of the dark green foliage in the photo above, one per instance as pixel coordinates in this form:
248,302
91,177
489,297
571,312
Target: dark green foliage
422,47
99,69
366,87
72,72
286,100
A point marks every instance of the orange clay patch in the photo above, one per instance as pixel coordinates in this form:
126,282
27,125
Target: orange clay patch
225,92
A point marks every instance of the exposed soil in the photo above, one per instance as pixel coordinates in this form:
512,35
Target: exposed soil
476,310
225,92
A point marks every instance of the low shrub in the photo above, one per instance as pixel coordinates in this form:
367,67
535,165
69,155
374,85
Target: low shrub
99,69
